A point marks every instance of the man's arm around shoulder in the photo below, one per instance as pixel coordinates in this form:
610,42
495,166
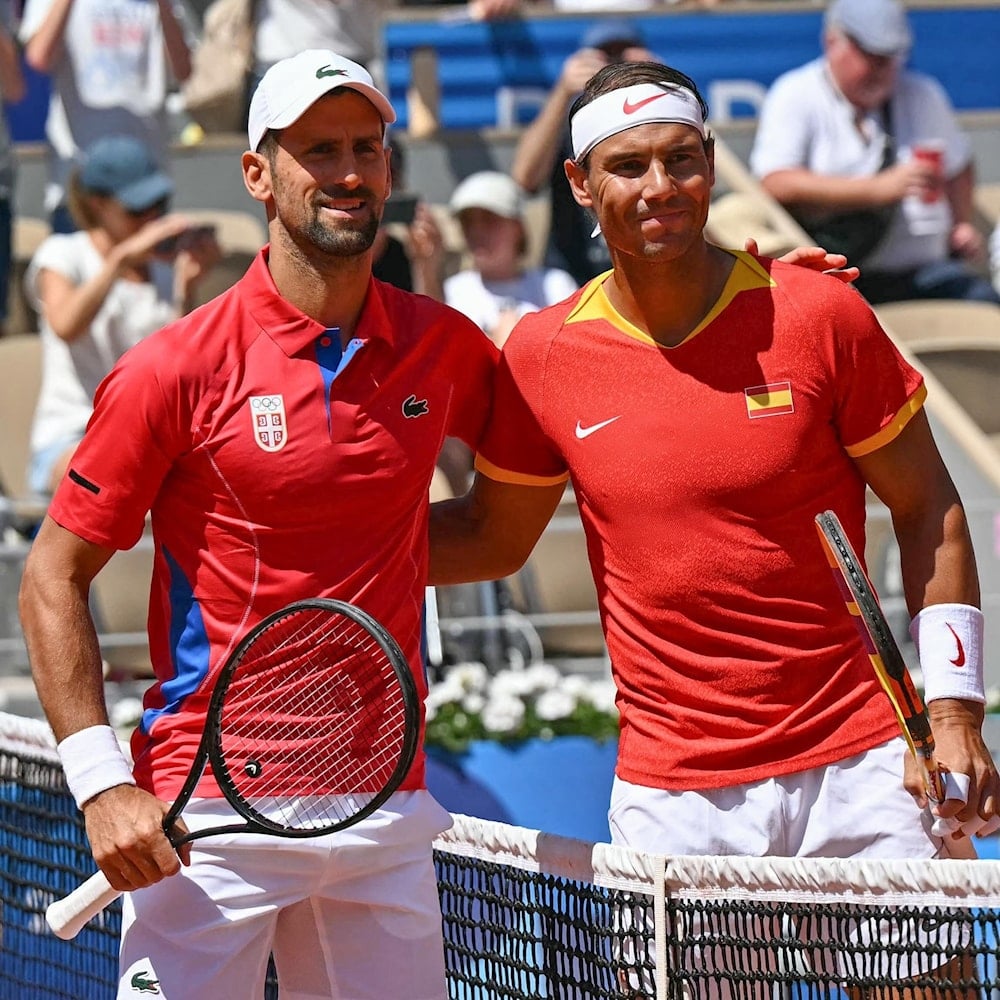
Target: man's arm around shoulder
490,532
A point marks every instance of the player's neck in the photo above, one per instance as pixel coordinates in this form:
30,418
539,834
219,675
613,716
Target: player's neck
668,299
331,291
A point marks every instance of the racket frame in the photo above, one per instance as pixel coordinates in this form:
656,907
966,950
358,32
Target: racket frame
210,748
883,651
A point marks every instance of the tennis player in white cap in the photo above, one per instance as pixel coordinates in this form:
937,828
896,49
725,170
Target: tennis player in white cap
325,495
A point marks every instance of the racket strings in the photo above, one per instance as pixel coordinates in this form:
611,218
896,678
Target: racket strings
314,721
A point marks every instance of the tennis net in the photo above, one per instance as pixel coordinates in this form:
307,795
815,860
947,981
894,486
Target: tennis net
531,915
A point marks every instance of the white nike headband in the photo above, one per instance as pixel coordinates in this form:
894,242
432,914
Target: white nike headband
627,107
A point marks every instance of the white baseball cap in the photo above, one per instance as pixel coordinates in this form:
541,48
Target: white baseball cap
293,85
492,190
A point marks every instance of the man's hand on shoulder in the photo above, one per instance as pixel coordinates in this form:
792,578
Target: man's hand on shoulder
816,259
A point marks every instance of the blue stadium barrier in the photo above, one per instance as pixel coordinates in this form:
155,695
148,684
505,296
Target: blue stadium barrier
496,74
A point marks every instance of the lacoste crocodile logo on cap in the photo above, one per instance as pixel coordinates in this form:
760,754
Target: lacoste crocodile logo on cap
324,71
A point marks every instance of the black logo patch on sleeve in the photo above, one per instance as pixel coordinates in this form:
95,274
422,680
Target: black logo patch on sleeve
85,483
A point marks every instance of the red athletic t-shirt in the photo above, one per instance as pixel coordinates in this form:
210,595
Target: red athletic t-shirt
276,468
698,471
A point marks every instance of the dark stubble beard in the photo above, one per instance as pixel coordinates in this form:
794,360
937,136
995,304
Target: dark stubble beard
341,241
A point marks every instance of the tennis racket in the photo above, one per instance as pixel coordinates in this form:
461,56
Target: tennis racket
312,724
882,650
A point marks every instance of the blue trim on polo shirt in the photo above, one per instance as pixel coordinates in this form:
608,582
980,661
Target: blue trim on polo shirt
332,360
189,647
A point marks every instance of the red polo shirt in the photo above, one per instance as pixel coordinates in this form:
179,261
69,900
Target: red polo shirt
699,470
276,468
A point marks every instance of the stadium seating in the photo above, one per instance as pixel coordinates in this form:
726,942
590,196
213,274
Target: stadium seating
28,233
959,342
120,603
21,365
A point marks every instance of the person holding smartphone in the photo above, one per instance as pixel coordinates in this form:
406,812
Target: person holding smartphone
416,263
130,268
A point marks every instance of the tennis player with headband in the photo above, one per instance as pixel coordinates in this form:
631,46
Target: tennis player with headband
706,404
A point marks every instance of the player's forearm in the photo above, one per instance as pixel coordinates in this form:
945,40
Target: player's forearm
460,545
64,654
937,559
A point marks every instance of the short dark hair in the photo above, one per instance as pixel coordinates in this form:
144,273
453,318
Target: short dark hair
269,145
628,74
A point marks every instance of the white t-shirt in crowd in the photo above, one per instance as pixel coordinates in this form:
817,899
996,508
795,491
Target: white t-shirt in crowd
285,27
806,121
71,372
483,301
112,80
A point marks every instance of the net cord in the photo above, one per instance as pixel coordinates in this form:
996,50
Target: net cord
953,883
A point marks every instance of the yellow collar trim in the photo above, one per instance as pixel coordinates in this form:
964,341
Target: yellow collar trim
747,275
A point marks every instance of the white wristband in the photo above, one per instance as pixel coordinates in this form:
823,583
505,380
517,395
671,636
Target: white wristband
93,762
949,640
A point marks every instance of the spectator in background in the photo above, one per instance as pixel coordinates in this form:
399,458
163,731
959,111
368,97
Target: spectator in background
574,244
111,63
497,290
130,269
347,27
11,91
417,264
868,156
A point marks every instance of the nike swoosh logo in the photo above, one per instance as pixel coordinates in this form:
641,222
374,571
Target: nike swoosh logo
631,109
585,432
959,660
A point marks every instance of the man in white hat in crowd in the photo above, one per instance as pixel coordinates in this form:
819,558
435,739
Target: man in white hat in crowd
869,157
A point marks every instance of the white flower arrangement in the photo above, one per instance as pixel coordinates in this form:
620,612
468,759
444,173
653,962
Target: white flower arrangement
538,701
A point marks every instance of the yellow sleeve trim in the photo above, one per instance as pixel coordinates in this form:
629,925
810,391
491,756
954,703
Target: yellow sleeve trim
892,429
487,468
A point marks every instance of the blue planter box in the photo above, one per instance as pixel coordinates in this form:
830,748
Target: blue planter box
561,786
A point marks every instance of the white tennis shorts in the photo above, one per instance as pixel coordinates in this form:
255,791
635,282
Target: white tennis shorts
855,808
352,915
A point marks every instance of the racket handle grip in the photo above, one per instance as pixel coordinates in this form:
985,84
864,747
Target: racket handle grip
68,915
